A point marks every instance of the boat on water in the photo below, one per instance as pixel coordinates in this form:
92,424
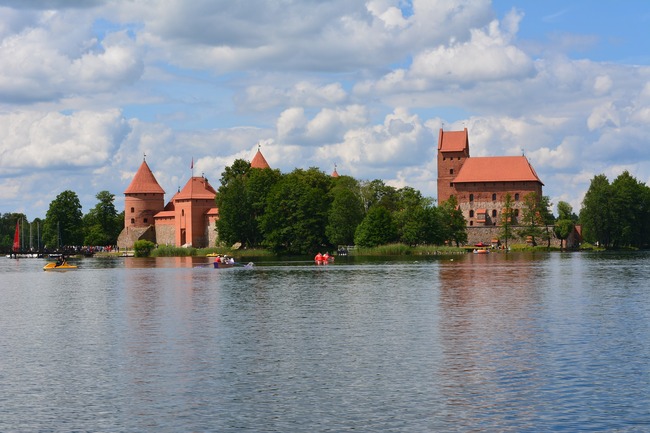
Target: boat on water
65,266
482,251
321,259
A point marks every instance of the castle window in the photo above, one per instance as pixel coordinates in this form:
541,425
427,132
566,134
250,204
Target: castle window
451,171
132,220
132,210
182,212
451,184
471,197
517,196
494,213
494,197
145,220
471,214
471,223
516,212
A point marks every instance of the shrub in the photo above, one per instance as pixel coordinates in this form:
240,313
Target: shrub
143,248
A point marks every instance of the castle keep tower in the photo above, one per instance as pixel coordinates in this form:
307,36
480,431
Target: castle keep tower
453,151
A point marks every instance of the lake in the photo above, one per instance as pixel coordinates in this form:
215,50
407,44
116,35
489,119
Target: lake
509,343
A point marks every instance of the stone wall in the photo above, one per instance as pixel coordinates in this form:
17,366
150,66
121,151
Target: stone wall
166,234
486,234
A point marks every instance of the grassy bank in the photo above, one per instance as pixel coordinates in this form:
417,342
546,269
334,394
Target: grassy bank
405,250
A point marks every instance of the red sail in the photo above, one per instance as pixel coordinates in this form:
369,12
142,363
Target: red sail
17,237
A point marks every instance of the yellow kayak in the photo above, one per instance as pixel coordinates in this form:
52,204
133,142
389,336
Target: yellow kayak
64,267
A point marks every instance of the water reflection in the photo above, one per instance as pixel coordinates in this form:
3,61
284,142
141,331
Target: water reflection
522,342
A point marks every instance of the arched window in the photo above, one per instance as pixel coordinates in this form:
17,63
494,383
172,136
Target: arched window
451,171
471,214
516,212
471,223
494,197
471,197
494,213
132,209
132,220
182,212
516,196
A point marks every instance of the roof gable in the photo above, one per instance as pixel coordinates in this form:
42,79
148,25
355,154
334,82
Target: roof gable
196,188
144,182
497,169
453,141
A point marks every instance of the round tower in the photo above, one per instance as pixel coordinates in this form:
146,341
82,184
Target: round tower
142,199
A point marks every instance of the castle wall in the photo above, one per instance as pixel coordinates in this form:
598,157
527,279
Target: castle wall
165,231
486,234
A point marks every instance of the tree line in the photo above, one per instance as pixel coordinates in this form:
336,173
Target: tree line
306,211
65,224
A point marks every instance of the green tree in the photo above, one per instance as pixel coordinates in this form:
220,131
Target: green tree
629,211
377,193
453,222
63,221
596,215
102,224
345,212
534,214
507,214
296,213
241,200
564,225
8,228
377,228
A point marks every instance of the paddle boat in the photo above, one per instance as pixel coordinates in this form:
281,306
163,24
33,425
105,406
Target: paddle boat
223,261
65,266
322,259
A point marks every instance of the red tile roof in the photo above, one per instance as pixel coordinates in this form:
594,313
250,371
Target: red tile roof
259,161
453,141
196,188
144,182
497,169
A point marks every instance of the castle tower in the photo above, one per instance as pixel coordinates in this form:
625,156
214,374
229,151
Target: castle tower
259,161
453,151
192,206
142,199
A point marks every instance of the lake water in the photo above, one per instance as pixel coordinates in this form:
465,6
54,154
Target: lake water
469,343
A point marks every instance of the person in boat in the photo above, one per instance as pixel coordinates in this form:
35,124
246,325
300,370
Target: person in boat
60,261
319,257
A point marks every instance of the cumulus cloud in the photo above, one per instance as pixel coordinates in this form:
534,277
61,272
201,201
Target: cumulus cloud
51,59
36,140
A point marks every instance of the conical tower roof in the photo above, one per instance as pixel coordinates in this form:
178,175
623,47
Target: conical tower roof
196,188
259,161
144,182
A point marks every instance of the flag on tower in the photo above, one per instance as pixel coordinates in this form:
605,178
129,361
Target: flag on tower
192,164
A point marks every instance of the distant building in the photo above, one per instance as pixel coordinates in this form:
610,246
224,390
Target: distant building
481,183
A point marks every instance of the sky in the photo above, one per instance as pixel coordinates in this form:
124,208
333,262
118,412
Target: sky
89,88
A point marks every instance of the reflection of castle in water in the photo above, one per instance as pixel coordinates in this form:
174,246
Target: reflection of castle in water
483,301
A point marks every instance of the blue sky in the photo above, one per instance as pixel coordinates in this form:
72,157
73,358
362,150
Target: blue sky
88,87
